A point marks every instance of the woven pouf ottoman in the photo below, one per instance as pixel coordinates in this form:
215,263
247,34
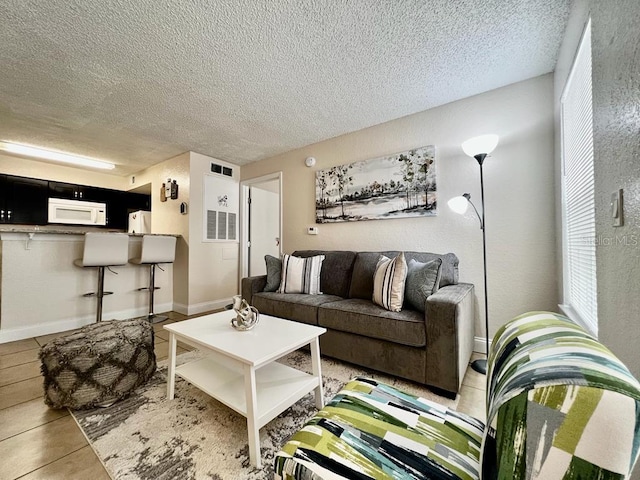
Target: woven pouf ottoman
97,365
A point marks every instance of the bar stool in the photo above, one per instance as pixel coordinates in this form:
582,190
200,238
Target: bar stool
155,249
103,250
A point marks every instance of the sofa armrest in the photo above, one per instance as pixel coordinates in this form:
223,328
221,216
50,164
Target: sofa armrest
251,285
450,328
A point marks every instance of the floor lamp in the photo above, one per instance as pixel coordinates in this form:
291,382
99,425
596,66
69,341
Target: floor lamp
478,148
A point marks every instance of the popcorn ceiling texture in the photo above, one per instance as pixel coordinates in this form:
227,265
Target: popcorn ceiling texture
137,82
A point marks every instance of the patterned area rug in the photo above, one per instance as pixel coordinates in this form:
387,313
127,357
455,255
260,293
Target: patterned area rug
145,436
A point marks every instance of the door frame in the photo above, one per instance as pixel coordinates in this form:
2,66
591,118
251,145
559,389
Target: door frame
244,219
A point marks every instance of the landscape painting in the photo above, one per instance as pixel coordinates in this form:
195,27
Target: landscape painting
394,186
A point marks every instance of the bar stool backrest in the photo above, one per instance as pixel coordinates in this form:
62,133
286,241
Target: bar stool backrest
105,249
158,249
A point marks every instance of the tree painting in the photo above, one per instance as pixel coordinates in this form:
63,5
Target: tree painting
341,179
322,183
393,186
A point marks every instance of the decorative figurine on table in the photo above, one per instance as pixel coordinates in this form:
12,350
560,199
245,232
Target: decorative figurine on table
247,316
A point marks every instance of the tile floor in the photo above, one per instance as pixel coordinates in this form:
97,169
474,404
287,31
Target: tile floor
37,442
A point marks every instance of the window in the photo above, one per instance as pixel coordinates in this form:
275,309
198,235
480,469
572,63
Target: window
578,193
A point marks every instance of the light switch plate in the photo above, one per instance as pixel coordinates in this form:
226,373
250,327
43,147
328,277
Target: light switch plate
616,209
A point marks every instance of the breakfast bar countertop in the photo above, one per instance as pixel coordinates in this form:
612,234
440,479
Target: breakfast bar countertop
43,291
68,230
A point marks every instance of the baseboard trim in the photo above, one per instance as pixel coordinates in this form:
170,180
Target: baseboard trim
13,334
207,306
180,308
479,345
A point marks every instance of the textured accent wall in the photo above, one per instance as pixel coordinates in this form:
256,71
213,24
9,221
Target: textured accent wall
616,109
616,104
519,193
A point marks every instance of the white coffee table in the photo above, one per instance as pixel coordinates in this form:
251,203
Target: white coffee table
239,368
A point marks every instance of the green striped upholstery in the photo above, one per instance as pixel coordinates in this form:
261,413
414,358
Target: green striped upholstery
559,406
371,430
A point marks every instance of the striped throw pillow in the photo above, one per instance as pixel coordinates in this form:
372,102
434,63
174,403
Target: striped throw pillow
388,282
301,275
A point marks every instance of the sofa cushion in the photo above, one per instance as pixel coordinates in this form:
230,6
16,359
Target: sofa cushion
422,281
388,282
301,275
365,266
362,317
335,276
449,268
274,272
292,306
364,269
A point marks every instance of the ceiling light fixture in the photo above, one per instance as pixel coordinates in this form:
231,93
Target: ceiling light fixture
37,152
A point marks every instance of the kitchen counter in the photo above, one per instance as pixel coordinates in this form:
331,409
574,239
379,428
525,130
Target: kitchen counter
42,290
68,230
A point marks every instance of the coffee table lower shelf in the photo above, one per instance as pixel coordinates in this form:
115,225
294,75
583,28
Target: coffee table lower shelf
277,386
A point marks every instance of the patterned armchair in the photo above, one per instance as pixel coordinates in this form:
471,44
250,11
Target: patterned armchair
560,405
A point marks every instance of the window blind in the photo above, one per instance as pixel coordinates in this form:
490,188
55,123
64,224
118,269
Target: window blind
578,193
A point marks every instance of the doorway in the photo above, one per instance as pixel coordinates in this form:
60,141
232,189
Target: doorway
261,231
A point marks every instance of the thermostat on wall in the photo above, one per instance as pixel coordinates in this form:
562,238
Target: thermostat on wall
312,230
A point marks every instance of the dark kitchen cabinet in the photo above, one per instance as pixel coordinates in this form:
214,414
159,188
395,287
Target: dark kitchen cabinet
24,200
117,209
120,204
138,201
72,191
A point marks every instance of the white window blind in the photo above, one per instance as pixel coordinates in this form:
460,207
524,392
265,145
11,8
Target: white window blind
579,233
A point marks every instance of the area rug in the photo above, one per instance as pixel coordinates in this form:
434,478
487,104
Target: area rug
148,437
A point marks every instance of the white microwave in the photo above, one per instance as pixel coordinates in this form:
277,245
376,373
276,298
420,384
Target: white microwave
77,212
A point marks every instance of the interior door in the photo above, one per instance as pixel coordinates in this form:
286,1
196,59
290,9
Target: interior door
264,225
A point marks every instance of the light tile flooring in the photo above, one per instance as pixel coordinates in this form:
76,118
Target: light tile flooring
37,442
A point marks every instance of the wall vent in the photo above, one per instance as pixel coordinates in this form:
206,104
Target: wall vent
221,225
221,170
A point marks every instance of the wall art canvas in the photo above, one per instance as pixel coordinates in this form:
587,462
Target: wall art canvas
394,186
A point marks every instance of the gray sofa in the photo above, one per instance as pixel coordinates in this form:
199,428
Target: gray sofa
431,348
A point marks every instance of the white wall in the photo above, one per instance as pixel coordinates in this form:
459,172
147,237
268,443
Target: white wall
204,274
213,266
519,194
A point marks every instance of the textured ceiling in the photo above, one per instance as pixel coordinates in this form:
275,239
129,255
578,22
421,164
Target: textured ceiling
139,81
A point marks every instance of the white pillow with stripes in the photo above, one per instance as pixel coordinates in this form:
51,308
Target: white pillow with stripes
301,275
388,282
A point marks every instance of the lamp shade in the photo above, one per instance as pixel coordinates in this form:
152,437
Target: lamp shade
458,204
478,145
